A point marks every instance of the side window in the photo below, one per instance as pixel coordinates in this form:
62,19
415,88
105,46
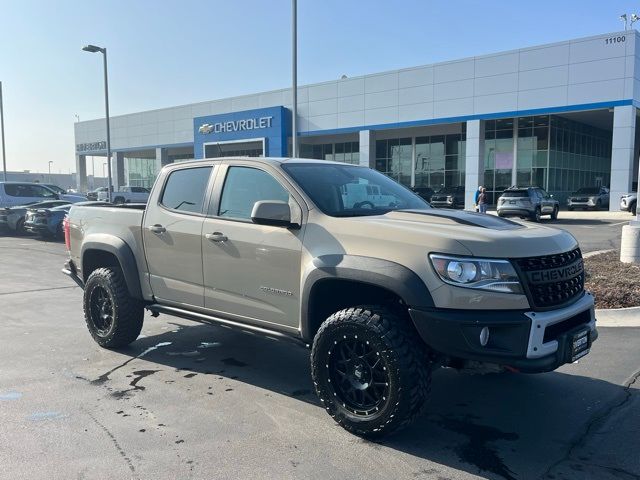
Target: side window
12,189
39,191
243,187
185,189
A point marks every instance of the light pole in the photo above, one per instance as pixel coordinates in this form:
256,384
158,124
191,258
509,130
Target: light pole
103,167
4,155
50,162
294,77
94,49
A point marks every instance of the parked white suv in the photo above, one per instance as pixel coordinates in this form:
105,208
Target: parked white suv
21,193
628,203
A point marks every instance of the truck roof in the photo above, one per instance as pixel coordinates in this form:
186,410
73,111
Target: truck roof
267,160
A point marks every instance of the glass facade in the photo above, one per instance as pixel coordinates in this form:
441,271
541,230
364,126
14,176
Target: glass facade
579,156
498,156
346,152
551,152
140,172
234,149
439,160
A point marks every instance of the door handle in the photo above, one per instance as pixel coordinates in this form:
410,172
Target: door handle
157,228
216,237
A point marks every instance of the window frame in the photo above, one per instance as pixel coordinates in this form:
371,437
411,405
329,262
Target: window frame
223,169
214,206
207,194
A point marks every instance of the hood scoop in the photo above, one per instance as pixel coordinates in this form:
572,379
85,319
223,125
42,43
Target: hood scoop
468,218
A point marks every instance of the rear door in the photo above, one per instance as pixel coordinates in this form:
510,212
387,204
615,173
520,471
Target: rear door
252,271
172,231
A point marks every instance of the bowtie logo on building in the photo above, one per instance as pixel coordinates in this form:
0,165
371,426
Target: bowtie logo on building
206,128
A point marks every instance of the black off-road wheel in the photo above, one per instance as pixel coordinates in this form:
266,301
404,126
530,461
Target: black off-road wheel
113,317
632,208
370,370
554,214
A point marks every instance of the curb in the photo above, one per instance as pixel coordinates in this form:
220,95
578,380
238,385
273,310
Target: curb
618,317
597,252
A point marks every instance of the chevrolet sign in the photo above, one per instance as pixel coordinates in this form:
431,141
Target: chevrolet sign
91,147
236,125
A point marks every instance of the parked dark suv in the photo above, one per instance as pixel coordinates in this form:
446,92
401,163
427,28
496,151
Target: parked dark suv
448,197
424,192
527,202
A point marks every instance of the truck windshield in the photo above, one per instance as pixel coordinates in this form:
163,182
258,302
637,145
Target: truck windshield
350,191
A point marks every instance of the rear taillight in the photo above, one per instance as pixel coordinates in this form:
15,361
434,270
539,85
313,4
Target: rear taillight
67,232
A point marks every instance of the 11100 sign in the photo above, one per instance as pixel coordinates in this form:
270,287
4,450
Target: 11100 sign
608,41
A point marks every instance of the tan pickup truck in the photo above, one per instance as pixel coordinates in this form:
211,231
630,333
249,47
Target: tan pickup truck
383,288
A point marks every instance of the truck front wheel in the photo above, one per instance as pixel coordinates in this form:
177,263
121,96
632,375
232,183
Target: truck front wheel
370,372
113,317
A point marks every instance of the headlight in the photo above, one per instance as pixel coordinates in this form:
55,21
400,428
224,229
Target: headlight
478,273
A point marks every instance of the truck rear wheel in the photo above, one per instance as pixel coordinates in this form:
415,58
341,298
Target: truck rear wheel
113,317
370,372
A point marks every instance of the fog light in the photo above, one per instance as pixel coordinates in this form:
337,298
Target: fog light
484,336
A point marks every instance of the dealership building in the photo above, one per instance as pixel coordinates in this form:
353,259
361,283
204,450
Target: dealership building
560,116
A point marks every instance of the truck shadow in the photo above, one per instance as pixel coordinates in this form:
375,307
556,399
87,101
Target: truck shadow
503,426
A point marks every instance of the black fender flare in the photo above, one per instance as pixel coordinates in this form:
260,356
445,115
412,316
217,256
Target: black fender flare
123,253
396,278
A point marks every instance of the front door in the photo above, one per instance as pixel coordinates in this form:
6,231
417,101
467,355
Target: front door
251,271
172,231
546,201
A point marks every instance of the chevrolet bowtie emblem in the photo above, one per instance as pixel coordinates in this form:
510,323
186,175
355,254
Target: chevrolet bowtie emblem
206,128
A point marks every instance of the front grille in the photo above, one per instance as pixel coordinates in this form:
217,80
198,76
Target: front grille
553,280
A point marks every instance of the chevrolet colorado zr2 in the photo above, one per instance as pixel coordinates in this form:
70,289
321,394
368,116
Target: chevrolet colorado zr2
382,287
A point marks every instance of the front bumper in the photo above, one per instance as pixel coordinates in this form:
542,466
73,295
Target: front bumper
527,341
576,204
441,204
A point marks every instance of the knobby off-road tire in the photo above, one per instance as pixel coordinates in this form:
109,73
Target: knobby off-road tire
113,317
370,349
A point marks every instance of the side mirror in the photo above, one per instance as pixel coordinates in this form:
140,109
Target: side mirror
272,212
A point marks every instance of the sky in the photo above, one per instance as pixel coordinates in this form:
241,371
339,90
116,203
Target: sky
164,53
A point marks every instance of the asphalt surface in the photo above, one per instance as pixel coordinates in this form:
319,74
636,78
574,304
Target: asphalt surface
193,401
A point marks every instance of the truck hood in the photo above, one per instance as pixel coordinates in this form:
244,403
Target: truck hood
481,234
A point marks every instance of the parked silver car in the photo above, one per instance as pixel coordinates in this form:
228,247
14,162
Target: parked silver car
589,197
527,202
628,203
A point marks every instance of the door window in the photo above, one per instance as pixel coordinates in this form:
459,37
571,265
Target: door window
243,187
185,189
40,192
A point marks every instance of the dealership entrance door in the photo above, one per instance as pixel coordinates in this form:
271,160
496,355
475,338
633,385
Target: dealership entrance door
242,148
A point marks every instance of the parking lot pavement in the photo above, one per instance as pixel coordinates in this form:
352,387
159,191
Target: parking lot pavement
594,230
193,401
